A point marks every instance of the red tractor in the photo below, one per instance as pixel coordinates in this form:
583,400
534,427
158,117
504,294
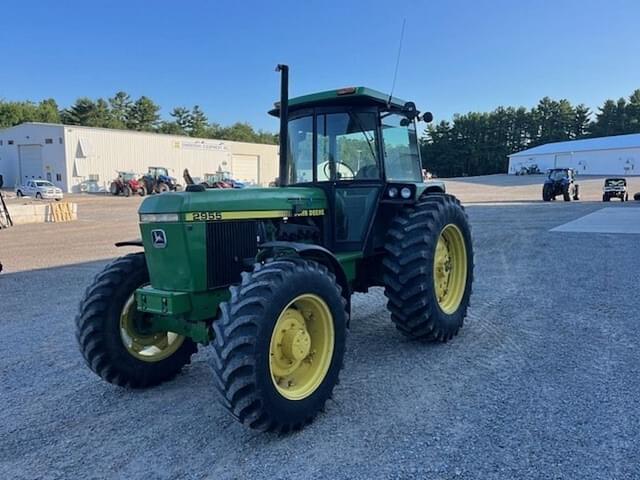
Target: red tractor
126,184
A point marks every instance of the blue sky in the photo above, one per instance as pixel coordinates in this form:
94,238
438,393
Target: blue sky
457,56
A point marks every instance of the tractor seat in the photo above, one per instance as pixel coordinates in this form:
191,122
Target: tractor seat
368,172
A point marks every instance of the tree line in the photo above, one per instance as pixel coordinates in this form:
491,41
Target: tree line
123,112
477,143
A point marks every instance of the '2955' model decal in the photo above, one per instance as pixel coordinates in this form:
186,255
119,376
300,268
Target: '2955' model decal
250,215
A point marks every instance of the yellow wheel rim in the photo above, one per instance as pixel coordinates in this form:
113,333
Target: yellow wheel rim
450,268
301,347
148,347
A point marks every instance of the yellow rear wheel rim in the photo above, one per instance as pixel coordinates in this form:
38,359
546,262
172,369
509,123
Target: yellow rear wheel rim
148,347
450,269
301,347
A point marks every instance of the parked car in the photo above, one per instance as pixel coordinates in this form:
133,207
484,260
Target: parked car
615,188
40,189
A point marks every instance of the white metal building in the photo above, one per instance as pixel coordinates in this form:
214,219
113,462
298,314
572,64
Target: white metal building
74,157
616,155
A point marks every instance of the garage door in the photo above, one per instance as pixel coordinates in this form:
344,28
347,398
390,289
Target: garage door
245,168
30,161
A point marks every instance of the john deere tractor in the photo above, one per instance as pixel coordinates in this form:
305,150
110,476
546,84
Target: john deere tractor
263,278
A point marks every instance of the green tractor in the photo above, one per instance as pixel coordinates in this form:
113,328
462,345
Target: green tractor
264,277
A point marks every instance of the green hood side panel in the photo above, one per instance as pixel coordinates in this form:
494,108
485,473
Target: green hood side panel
180,266
234,200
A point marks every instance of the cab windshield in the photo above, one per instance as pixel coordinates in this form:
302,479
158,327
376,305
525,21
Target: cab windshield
346,148
556,175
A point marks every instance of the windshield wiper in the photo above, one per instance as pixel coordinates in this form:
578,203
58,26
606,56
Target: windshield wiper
357,119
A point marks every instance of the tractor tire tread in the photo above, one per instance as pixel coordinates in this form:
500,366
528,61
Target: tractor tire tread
232,357
408,276
94,342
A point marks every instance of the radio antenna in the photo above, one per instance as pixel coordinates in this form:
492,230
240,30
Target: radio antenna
395,73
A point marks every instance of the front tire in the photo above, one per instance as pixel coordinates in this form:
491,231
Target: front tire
111,332
547,193
163,187
428,269
279,344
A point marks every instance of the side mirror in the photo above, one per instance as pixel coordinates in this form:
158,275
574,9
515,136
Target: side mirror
410,109
427,117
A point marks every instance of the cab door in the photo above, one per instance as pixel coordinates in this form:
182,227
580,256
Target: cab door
347,157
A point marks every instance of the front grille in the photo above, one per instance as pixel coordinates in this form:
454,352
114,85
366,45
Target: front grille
228,245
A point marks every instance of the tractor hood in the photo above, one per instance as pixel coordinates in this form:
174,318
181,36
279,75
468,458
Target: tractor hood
232,204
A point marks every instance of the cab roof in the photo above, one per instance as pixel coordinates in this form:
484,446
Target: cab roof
342,96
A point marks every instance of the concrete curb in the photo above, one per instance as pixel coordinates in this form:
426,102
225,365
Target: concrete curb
43,213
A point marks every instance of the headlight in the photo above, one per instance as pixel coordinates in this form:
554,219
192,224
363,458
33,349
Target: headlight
158,217
393,192
405,192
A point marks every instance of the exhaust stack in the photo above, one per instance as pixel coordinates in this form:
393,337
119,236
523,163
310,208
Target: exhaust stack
284,119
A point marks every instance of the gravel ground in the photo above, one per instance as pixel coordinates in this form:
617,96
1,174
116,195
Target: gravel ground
542,381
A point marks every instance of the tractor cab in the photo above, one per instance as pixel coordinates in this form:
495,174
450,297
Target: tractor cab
157,172
360,147
126,176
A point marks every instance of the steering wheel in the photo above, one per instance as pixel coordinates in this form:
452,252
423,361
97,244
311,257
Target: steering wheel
327,172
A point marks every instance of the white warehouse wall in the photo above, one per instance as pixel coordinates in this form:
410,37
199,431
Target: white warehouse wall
79,154
623,162
26,135
98,153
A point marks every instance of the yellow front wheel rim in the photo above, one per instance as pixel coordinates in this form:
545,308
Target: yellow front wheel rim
450,268
301,347
148,347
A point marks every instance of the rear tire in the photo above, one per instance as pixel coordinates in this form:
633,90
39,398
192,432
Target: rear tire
19,194
417,304
248,372
605,198
39,196
127,191
566,194
99,330
114,189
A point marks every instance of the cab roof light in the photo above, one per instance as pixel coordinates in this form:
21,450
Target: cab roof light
346,91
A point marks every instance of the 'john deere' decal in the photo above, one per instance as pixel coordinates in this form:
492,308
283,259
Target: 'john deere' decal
158,238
